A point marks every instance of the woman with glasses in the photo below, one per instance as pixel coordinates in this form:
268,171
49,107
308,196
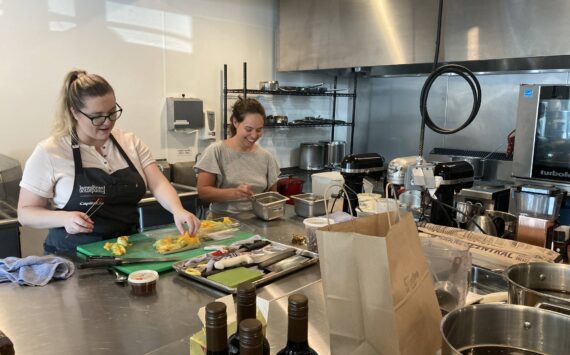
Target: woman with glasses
231,171
85,181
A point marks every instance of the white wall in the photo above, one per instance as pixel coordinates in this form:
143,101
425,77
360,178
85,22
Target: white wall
148,50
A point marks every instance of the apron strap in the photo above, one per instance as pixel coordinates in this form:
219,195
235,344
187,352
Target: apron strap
76,154
125,156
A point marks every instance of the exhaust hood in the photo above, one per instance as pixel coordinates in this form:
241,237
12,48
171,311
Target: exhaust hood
397,37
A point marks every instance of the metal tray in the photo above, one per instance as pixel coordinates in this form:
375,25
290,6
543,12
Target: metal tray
485,281
267,278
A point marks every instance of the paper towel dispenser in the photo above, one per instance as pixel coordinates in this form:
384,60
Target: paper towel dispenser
183,113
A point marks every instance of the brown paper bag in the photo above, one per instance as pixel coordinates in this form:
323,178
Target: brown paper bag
379,292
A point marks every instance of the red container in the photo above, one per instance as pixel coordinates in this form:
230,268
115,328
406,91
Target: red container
290,186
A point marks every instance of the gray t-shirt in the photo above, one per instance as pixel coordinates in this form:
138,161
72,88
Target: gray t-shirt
258,168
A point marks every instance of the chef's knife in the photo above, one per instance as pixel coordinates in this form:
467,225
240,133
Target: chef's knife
106,261
253,246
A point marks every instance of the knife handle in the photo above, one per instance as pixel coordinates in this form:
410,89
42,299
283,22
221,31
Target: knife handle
94,263
255,245
277,258
101,257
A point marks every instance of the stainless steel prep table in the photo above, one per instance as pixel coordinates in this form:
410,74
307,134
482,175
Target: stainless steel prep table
90,314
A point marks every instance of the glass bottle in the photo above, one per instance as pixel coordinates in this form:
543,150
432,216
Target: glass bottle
251,337
216,329
246,309
298,327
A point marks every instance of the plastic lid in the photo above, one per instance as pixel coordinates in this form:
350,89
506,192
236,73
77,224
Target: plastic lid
317,222
143,276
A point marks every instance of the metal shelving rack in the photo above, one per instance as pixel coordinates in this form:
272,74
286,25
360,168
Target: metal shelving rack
334,94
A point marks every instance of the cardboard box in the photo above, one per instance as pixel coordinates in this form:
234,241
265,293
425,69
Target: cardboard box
198,339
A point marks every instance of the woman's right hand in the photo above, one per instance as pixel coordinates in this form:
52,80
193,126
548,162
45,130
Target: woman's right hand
77,222
243,191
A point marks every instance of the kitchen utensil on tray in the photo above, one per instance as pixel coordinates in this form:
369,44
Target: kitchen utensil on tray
188,270
289,263
106,261
233,277
262,261
253,246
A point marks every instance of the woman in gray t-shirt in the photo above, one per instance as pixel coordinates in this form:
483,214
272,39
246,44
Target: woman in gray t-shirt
231,171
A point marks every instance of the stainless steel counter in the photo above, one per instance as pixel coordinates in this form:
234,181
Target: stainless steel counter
90,314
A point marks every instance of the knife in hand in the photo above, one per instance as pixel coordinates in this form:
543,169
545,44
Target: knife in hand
106,261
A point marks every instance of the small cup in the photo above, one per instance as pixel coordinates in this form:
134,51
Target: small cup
143,282
311,226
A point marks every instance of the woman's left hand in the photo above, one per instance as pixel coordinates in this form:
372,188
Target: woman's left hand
183,217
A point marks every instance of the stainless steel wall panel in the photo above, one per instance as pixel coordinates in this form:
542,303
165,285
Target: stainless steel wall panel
393,121
321,34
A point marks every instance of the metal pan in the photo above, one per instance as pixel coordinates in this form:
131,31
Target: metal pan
273,274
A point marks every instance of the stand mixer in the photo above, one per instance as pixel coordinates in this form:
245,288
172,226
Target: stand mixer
354,168
414,177
455,176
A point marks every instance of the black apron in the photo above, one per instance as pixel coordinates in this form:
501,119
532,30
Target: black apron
121,191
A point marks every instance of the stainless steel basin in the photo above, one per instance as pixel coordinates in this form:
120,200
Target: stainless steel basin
182,190
152,214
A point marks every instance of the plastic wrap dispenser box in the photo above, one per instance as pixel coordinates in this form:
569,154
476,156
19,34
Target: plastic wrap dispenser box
320,182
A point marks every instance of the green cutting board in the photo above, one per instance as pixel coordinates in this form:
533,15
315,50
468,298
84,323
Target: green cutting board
142,248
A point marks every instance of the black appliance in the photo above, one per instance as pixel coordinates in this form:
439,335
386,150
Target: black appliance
455,176
354,168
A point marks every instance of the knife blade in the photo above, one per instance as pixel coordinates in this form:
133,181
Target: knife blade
106,261
253,246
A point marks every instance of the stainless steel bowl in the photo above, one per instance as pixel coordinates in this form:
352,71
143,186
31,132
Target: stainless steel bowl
505,329
269,205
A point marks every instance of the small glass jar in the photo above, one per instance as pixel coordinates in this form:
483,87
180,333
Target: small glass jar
143,282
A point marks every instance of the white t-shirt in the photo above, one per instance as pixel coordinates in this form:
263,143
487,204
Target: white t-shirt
258,168
50,171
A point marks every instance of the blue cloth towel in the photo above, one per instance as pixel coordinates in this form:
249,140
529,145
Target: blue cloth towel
35,270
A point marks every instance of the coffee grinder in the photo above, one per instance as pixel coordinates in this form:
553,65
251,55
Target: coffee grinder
452,177
354,168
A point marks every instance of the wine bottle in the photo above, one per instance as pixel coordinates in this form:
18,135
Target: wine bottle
216,329
298,327
246,309
251,337
6,345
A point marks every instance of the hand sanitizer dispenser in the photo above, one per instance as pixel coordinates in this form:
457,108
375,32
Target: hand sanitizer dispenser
184,113
209,125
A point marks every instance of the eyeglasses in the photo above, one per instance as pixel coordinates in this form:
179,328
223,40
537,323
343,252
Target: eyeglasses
99,120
